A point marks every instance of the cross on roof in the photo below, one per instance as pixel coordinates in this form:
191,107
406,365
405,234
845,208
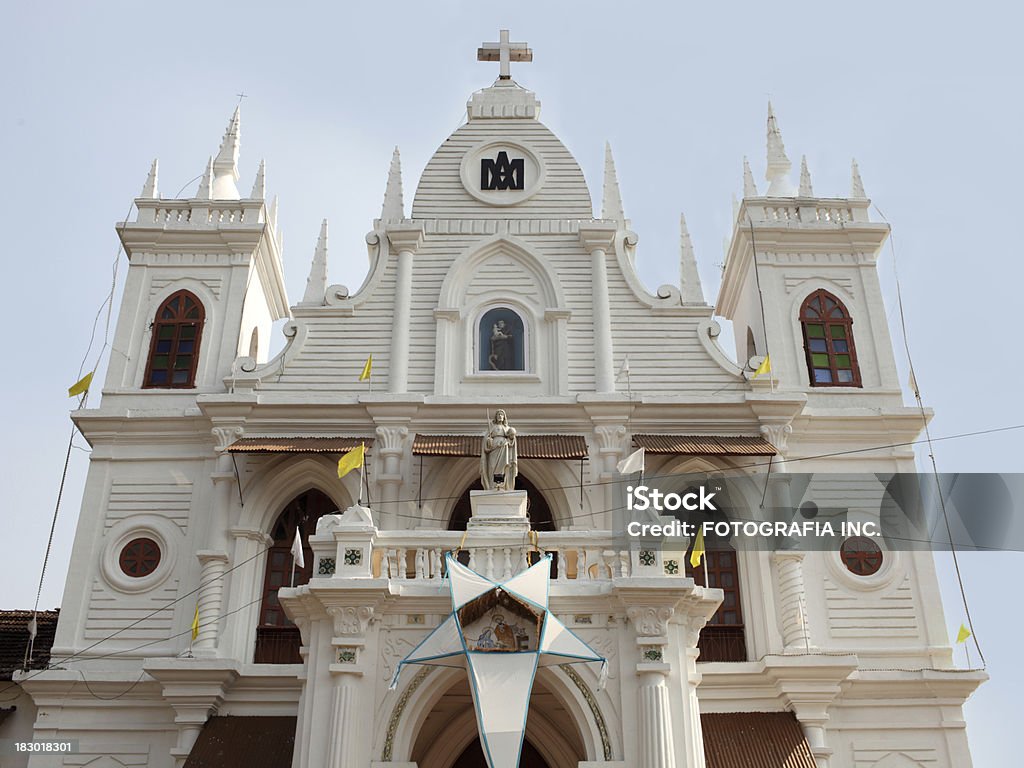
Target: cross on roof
504,52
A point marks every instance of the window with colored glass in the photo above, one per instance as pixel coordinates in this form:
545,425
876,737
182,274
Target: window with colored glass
828,342
174,351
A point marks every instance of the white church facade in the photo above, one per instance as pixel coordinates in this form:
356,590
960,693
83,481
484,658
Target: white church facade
498,287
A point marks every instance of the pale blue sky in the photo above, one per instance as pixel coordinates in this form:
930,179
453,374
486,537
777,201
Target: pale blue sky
927,96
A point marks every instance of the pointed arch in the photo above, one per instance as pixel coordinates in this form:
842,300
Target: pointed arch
177,331
466,265
829,349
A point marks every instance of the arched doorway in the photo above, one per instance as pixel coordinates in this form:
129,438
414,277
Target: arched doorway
277,638
448,735
473,757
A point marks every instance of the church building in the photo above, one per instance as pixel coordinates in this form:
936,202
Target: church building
192,631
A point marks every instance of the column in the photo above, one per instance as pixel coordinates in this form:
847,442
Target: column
789,567
610,440
656,740
598,238
210,601
405,238
390,448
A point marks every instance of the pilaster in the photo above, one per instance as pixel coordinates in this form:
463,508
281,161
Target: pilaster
405,238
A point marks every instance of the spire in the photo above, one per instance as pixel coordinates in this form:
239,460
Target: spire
856,185
749,187
206,183
149,189
611,202
735,206
316,283
259,187
777,171
225,166
394,207
273,213
689,278
806,190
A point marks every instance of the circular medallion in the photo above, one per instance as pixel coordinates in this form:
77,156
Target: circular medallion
501,173
139,557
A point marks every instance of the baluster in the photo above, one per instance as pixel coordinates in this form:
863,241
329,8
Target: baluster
385,563
561,576
421,562
624,564
506,563
609,557
435,564
472,558
582,572
402,564
490,563
526,559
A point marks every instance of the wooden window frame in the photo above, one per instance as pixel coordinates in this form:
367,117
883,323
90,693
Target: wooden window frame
140,557
176,323
846,321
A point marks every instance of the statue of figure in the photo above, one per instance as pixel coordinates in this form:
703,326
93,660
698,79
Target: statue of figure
502,357
499,463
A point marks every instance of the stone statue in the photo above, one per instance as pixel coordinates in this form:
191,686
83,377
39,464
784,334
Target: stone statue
502,357
499,463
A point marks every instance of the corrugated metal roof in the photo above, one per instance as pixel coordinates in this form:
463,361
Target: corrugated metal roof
14,640
706,445
297,444
244,742
529,446
755,740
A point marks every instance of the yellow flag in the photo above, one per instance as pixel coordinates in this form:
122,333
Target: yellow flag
698,548
80,386
195,623
764,367
367,369
963,634
351,460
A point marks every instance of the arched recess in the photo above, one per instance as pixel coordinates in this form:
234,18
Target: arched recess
537,507
438,723
732,567
503,271
443,477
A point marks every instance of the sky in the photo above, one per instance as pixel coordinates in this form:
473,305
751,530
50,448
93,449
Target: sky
927,98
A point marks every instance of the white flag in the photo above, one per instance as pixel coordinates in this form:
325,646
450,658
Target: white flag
624,370
300,561
632,463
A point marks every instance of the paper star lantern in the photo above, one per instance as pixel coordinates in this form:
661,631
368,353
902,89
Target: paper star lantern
500,632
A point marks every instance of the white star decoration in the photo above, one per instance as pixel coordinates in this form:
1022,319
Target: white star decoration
502,659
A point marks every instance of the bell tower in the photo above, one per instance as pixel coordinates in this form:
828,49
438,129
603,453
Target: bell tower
205,281
801,285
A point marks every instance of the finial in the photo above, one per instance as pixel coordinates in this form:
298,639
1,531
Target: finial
316,283
206,183
611,203
259,187
689,277
394,207
149,189
777,171
806,190
749,187
856,185
225,166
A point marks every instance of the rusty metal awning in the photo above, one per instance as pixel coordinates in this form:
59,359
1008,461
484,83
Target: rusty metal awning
705,445
297,444
244,742
755,740
529,446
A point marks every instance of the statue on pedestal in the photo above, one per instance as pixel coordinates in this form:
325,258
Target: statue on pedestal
499,463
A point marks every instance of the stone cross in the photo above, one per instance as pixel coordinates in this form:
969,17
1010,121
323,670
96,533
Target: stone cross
504,52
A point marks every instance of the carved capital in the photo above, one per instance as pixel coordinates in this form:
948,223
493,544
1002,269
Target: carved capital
777,434
225,436
649,620
405,237
610,439
391,439
351,620
598,235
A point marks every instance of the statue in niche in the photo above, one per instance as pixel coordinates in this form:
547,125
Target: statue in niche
499,463
503,354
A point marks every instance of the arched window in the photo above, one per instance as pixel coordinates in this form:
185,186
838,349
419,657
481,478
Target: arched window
174,351
828,342
501,341
277,638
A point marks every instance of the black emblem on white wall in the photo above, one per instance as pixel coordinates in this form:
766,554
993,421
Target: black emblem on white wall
502,173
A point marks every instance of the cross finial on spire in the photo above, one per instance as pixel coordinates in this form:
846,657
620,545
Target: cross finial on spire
504,52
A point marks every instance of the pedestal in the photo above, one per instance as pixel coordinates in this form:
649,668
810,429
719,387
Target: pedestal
505,510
